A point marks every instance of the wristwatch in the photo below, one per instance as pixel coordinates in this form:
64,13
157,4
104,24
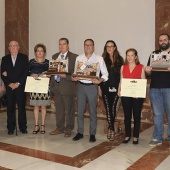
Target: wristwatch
18,83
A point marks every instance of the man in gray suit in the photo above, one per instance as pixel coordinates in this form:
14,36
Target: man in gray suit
64,91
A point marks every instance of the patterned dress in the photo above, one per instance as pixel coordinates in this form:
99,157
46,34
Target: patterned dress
39,99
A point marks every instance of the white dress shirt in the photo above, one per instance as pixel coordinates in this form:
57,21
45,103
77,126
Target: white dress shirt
94,59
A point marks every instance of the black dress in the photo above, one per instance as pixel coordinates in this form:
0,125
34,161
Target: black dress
39,99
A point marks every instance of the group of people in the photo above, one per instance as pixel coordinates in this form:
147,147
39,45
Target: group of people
15,68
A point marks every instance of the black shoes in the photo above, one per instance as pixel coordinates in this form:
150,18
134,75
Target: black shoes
10,132
24,131
78,137
126,140
92,138
135,142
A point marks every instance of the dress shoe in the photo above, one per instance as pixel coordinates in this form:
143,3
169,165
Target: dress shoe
126,140
37,129
24,131
42,131
92,138
78,137
56,132
67,134
10,132
135,142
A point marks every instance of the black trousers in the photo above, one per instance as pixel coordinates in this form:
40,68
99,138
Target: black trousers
132,106
14,97
110,101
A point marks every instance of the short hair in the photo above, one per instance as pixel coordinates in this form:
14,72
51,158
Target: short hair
166,35
40,45
89,40
65,39
136,54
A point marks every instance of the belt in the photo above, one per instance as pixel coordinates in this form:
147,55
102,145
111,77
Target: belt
86,84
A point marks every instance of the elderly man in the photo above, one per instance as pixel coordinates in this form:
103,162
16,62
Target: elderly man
160,92
88,90
14,70
64,91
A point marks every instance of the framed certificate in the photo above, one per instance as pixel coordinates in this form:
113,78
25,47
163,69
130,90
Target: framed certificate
39,85
58,66
133,88
86,70
160,62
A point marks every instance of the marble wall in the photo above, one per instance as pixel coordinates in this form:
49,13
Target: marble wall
2,28
16,23
162,19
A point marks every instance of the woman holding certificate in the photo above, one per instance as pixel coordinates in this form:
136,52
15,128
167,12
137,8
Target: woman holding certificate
132,69
109,89
39,100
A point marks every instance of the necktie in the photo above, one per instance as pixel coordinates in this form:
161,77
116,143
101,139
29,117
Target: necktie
57,78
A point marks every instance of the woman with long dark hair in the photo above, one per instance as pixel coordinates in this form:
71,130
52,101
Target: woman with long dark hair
109,88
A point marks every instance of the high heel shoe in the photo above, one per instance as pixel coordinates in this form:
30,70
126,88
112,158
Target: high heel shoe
126,140
36,131
108,134
112,135
135,142
42,131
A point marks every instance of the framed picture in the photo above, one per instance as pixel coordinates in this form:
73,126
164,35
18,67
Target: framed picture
86,70
58,66
160,62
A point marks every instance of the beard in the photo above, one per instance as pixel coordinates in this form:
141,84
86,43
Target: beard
164,46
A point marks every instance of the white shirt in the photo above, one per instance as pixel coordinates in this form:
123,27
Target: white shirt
59,57
13,59
94,59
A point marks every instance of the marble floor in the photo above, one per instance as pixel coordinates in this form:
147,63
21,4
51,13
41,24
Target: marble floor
49,152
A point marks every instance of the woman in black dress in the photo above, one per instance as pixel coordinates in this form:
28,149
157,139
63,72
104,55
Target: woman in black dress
39,100
109,88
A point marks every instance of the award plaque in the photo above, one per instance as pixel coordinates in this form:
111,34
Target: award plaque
86,70
58,66
160,62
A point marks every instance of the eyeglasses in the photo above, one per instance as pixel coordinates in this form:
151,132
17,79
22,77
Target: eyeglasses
10,46
109,46
88,45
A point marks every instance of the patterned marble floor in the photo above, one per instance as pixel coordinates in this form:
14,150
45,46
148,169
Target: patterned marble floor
48,152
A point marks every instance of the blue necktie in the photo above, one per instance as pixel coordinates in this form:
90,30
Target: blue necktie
57,78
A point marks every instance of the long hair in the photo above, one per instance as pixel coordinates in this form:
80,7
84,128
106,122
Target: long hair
136,54
117,58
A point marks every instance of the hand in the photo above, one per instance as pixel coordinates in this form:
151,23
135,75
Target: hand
148,68
62,75
13,85
96,81
2,88
35,76
168,68
4,73
75,78
118,93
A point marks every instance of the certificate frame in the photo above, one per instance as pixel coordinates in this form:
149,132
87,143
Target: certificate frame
133,88
160,62
86,71
58,66
39,85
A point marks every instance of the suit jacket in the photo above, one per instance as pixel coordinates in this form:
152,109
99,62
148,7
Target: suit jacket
66,86
17,73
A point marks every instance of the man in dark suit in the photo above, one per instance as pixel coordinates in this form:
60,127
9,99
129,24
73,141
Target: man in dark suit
64,91
14,70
